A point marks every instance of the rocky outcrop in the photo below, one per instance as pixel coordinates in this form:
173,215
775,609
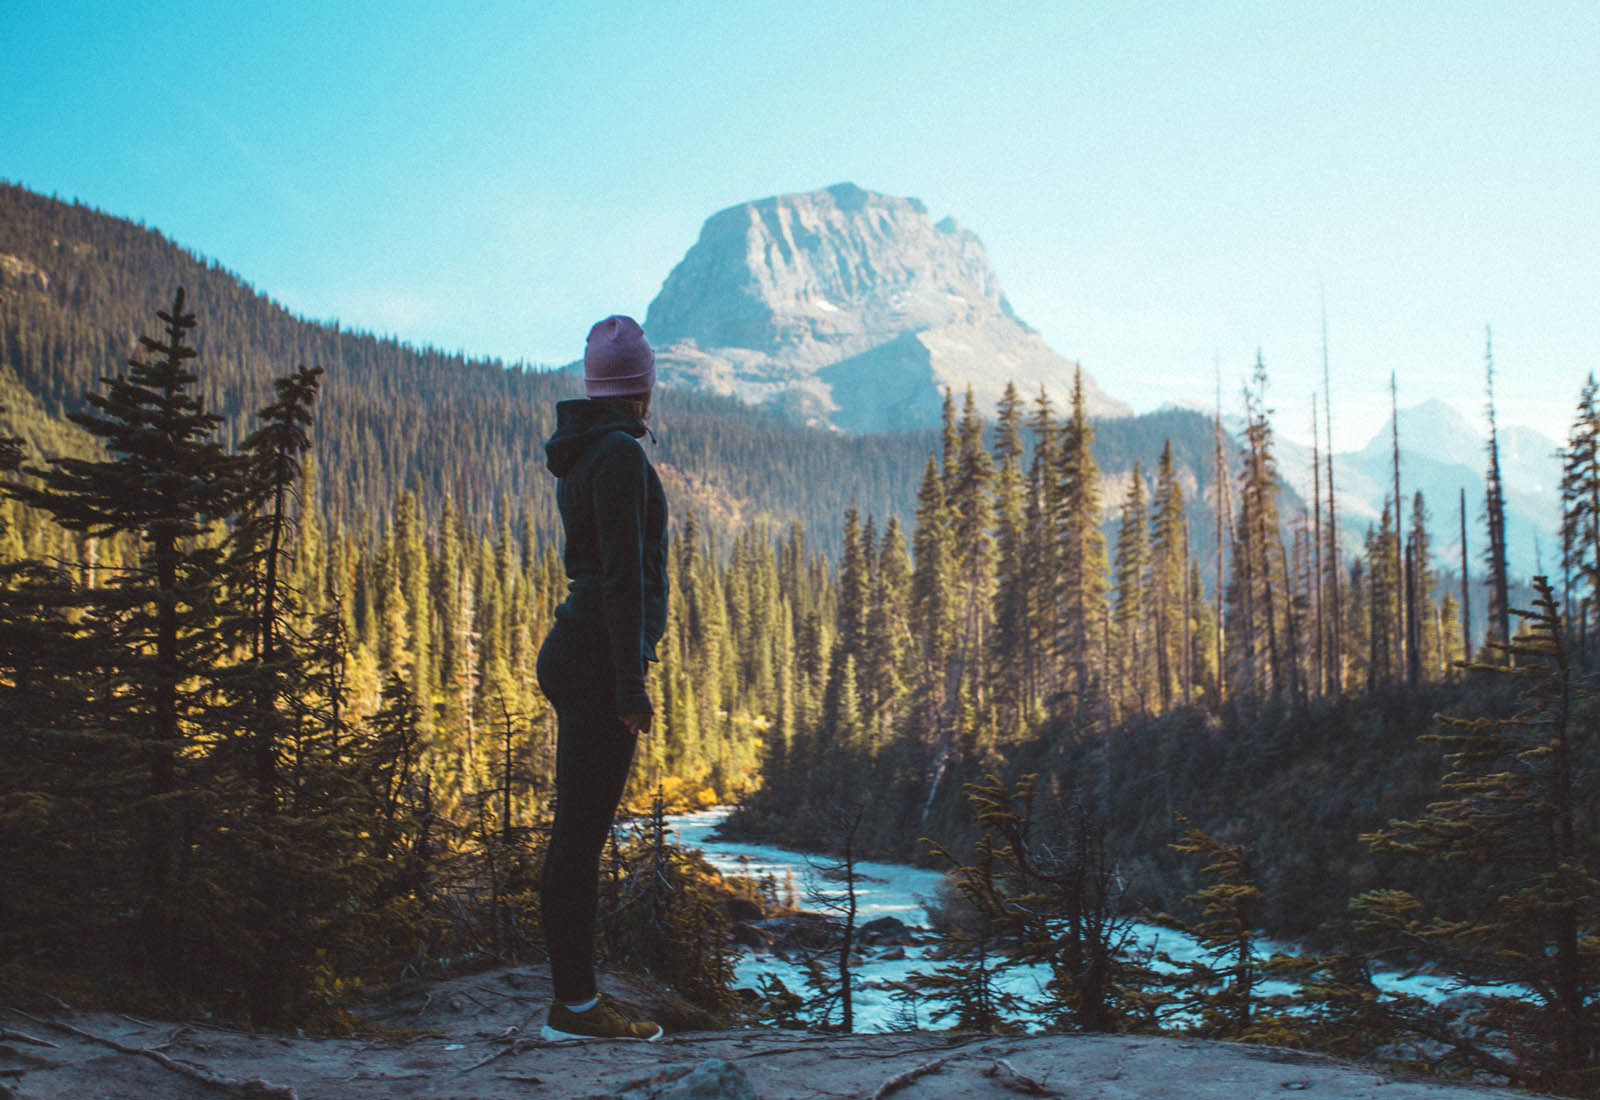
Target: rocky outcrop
849,308
475,1037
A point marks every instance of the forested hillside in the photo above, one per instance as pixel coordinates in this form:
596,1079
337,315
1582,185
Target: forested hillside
76,285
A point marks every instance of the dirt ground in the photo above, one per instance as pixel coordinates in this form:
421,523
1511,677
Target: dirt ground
477,1037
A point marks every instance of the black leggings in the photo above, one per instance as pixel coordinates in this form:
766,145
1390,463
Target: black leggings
593,751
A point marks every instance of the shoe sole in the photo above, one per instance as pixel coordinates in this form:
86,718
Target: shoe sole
551,1035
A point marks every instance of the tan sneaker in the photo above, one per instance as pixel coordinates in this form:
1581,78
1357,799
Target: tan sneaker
607,1019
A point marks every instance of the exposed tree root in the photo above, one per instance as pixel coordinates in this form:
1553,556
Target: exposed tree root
23,1037
1004,1073
232,1086
901,1080
518,1047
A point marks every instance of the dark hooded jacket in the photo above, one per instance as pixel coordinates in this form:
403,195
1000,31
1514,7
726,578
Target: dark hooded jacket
615,515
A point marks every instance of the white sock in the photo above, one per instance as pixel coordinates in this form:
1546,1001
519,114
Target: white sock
585,1006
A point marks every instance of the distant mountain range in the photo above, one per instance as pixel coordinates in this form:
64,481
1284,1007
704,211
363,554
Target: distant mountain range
1442,454
852,309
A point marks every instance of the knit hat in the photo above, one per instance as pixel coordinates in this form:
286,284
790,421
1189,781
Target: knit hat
618,360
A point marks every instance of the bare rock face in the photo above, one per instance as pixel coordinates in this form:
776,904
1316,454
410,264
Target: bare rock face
850,308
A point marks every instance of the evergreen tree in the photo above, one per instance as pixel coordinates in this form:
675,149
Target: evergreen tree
1168,607
260,561
1422,579
934,609
1009,669
1259,579
854,597
1511,808
972,518
1219,989
889,665
1495,516
1040,897
166,481
1382,600
1580,517
1040,553
1132,609
1082,561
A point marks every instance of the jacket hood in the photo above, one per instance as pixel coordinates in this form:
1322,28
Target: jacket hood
579,424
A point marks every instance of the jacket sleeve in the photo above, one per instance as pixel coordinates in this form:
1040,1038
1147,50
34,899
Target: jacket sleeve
619,488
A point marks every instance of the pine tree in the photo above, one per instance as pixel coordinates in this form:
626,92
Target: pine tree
972,518
1511,808
855,593
950,439
262,554
411,575
934,609
1405,623
1045,892
1132,562
1040,555
967,986
1259,581
1321,648
1580,517
1082,582
1009,668
1426,657
1169,608
888,665
1380,600
1335,559
166,481
1466,581
1495,516
1219,990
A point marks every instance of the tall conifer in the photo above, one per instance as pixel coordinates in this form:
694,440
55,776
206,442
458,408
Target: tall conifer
1012,597
1580,517
1082,564
165,481
972,517
1132,562
1169,568
1495,513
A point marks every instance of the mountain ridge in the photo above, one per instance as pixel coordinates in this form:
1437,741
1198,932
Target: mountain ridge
849,308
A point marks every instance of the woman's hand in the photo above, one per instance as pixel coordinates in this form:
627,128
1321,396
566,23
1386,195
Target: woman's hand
638,724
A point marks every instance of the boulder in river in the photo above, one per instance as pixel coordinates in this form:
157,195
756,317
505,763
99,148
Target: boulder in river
886,930
743,909
748,935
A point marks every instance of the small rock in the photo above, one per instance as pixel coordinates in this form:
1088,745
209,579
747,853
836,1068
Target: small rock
894,954
712,1079
749,936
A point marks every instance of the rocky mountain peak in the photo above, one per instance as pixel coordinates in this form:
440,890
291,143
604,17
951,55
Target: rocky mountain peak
850,307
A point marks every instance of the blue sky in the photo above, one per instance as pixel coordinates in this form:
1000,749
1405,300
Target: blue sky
1161,187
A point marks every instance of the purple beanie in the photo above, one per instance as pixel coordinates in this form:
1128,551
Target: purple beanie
618,361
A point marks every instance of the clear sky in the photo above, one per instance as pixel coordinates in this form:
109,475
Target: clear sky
1161,187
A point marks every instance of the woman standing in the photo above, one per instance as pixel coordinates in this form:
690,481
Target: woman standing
592,664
